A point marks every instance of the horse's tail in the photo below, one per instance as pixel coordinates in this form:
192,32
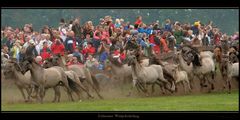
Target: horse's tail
95,82
73,85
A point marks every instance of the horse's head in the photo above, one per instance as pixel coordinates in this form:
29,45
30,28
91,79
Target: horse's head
47,63
56,59
233,58
11,67
26,64
188,57
191,55
114,61
131,60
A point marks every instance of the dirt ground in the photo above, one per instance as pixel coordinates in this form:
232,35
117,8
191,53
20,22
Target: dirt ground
110,90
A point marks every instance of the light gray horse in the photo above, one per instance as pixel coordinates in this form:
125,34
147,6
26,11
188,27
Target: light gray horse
152,74
12,71
47,78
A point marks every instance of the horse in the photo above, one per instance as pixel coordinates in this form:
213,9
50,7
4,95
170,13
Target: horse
181,76
203,67
72,75
183,65
124,73
49,78
83,73
12,71
229,70
152,74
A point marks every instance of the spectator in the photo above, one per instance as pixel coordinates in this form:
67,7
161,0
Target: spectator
77,54
31,49
91,62
45,52
16,49
69,42
138,22
89,50
77,29
57,48
168,26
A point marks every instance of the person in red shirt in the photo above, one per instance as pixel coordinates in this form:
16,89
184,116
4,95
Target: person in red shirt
138,22
45,52
57,48
89,49
152,39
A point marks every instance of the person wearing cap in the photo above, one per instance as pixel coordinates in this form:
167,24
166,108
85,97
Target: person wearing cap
16,49
195,28
31,49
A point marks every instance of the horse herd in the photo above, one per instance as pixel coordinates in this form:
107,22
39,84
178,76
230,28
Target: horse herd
188,64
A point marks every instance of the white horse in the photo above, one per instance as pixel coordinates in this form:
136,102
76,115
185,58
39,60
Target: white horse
181,77
152,74
203,67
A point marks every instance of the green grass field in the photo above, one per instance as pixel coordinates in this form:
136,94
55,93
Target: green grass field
199,102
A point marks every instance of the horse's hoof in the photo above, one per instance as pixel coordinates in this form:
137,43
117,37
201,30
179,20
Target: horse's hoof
80,101
26,101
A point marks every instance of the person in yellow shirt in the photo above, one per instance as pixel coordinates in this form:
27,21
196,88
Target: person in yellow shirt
16,49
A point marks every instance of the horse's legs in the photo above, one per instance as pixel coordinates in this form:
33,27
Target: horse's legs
134,83
191,78
153,90
145,89
85,90
57,94
229,84
41,93
22,92
29,92
95,89
69,92
161,87
188,85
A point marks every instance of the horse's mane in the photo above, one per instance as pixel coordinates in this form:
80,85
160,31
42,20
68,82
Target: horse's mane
155,60
29,50
115,61
196,61
235,57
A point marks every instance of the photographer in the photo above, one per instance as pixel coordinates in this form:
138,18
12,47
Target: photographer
103,50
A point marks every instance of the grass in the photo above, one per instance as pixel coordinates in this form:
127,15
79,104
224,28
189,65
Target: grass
202,102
